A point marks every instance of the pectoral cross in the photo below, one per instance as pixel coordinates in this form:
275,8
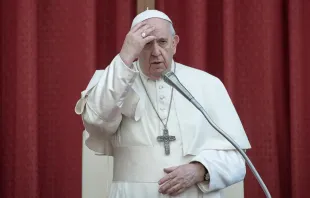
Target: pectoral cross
166,139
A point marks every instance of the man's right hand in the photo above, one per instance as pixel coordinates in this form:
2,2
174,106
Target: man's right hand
134,42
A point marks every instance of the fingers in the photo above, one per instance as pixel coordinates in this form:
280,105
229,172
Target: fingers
176,181
138,26
142,28
167,178
135,41
174,189
170,186
147,30
170,169
178,192
148,37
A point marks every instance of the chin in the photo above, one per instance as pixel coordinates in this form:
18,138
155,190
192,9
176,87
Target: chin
156,74
159,72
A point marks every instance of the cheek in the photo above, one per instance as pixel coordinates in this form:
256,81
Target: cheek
170,49
144,58
144,55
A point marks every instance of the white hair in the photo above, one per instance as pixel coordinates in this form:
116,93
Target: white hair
172,29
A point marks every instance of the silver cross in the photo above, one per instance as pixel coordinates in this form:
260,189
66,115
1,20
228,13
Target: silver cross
166,139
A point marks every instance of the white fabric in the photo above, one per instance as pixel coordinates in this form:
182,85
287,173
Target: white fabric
128,99
97,174
147,14
139,158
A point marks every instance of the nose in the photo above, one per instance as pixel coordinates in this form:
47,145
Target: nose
155,50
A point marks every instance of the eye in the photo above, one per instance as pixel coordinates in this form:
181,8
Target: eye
148,45
162,42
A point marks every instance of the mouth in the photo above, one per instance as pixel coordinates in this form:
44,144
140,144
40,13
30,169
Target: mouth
156,62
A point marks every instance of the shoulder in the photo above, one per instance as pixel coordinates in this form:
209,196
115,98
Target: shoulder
195,75
95,78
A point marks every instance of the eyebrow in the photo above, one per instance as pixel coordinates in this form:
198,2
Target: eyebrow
162,38
158,39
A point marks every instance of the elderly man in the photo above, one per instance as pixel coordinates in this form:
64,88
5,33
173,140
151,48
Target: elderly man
161,144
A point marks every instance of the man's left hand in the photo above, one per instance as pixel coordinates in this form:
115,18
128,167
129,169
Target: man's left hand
179,178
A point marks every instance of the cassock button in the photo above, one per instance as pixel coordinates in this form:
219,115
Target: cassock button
162,97
160,86
163,109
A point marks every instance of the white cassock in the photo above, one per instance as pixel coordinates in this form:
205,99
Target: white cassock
121,122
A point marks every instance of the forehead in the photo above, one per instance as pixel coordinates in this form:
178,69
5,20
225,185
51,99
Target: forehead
162,27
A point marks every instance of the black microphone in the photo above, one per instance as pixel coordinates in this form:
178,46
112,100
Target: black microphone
170,78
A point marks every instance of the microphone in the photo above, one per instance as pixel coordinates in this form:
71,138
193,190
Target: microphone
170,78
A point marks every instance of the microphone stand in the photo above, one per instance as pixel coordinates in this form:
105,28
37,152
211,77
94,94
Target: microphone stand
174,82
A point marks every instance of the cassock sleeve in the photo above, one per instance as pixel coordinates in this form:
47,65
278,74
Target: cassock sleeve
102,103
226,167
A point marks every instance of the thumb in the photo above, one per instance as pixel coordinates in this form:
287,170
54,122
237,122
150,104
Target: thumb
170,169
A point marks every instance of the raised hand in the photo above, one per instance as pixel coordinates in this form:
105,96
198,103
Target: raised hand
135,41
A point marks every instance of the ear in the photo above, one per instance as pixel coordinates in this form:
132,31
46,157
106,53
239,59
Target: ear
175,42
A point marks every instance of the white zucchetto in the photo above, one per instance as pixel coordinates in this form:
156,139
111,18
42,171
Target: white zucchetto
147,14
